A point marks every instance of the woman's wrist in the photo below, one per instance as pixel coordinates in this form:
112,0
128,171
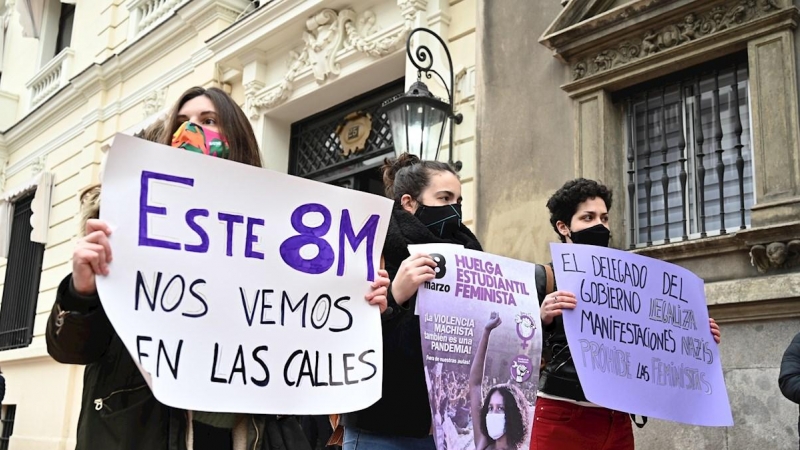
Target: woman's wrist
399,296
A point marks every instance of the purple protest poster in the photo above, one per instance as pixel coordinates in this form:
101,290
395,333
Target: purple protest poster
481,343
640,335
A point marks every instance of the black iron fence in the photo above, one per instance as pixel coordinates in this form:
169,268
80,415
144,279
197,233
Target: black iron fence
10,412
316,146
689,155
23,273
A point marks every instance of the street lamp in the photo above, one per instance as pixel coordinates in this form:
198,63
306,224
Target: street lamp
417,117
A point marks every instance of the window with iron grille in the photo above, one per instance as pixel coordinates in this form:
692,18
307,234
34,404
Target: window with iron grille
316,148
9,412
23,273
689,154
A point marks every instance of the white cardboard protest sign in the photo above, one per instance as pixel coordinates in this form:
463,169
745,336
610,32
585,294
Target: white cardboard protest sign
239,289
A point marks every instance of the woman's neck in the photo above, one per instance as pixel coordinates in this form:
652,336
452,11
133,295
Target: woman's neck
502,443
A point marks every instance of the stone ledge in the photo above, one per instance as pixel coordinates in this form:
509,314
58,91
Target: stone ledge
758,298
748,312
618,76
589,23
738,240
34,352
756,289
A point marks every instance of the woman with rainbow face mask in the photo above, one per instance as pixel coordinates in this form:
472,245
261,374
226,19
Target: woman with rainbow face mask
118,409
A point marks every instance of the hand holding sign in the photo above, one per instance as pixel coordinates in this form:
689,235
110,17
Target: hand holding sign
247,303
414,270
555,304
640,337
715,330
91,257
377,296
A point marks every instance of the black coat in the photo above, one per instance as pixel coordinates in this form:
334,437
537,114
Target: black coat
789,378
559,376
118,409
404,409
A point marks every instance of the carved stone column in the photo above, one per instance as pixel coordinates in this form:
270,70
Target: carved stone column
599,128
776,147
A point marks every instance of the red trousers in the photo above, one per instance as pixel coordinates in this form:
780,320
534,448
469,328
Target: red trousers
566,426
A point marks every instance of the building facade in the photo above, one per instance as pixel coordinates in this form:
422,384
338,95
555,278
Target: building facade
76,72
695,99
688,109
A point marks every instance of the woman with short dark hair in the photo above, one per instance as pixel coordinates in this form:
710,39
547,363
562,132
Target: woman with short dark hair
564,418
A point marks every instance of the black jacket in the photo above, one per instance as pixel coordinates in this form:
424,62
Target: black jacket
118,409
558,377
789,378
404,409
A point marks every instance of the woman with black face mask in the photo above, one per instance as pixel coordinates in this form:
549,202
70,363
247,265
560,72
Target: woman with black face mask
427,210
564,418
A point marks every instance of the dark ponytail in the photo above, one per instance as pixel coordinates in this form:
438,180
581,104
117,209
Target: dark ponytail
407,174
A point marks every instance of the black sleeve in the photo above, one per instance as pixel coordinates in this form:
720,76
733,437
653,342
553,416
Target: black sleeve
78,330
541,287
789,378
393,310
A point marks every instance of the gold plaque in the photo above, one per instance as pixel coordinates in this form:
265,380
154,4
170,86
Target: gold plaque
353,133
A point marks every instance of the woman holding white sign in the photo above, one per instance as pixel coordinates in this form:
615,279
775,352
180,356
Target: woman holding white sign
564,418
119,410
427,210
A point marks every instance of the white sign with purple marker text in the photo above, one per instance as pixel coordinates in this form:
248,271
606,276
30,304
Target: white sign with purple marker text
239,289
640,335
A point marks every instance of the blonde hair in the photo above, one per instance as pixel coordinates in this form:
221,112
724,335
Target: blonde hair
90,197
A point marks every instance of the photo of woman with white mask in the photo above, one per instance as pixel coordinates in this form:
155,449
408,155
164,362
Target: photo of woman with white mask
501,419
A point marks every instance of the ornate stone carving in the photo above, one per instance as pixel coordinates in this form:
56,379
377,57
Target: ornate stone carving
154,102
693,26
327,33
354,131
38,165
376,48
3,172
324,37
777,255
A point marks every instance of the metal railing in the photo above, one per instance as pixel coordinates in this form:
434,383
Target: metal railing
21,289
689,156
51,78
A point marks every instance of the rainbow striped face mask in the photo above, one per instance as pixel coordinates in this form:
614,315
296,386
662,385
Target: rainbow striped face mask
195,138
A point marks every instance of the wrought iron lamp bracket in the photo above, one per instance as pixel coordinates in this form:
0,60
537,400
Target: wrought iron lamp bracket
422,59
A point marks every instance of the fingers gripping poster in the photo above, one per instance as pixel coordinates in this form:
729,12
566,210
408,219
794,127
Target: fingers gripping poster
481,346
640,335
238,289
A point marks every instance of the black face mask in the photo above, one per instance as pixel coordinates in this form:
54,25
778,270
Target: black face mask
443,221
597,235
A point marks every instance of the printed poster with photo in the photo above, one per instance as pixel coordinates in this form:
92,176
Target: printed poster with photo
481,344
